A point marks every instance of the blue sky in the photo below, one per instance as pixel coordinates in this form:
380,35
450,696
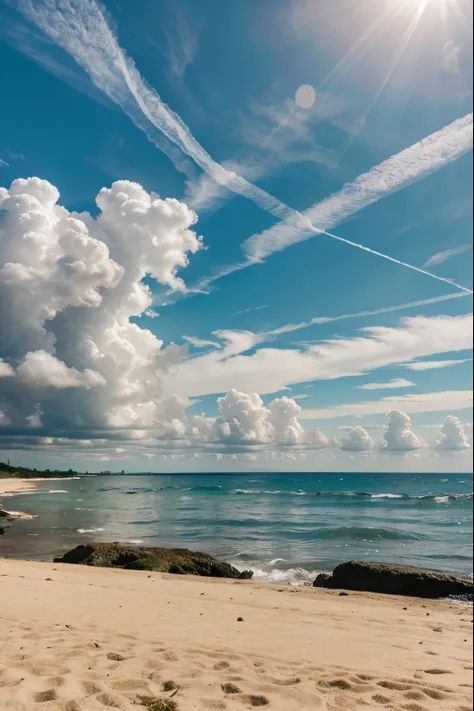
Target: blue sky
254,115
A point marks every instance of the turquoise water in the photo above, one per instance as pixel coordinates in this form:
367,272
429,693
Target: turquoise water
287,527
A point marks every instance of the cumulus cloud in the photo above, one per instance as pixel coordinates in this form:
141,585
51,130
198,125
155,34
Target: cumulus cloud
399,436
41,369
70,285
452,436
244,419
356,439
6,371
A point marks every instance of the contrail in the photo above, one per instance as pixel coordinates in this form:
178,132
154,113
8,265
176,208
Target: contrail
80,28
394,174
396,261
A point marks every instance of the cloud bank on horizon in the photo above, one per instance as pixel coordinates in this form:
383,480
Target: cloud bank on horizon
89,368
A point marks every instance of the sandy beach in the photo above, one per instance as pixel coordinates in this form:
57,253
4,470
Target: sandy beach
10,486
79,639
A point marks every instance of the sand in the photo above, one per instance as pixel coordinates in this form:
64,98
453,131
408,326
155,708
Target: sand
11,487
79,639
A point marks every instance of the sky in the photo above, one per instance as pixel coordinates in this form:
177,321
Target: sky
236,236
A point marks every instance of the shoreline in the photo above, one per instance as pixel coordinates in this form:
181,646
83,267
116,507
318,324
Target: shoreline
82,638
10,486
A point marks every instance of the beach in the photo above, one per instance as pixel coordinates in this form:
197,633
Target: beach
83,639
10,486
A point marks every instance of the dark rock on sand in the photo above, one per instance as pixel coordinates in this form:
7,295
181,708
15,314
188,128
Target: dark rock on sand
162,560
395,580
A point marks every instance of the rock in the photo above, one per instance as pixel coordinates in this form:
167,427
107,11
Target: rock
395,580
162,560
321,580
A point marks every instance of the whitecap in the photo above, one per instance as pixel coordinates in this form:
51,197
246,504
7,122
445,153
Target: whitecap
386,496
442,499
293,576
90,530
57,491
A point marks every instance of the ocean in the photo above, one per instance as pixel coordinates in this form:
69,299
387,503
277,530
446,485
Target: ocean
285,527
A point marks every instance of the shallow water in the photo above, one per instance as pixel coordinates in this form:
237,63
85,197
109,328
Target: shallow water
286,527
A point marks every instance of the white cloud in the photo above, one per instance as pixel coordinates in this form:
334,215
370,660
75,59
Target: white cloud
441,257
271,370
243,418
6,371
70,286
34,420
435,364
356,439
182,40
41,369
442,401
452,436
451,57
201,343
393,384
4,419
248,311
399,436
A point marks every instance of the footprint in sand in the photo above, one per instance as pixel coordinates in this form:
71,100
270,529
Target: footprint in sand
394,686
109,701
90,688
380,699
43,696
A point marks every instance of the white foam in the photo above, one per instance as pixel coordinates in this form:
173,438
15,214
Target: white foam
21,515
442,499
292,576
57,491
90,530
387,496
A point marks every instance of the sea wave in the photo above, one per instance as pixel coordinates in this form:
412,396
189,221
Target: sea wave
360,533
57,491
203,487
90,530
437,497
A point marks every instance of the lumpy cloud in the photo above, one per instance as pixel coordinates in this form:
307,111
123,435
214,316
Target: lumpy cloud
399,436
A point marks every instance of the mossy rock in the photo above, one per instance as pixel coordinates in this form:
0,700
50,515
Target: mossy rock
395,580
162,560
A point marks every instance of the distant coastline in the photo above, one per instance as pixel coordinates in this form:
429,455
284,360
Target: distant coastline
7,471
